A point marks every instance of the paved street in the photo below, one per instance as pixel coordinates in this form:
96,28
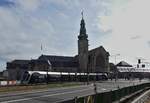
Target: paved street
60,94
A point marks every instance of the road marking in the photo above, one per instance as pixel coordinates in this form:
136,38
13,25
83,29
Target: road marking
103,89
17,100
25,99
44,90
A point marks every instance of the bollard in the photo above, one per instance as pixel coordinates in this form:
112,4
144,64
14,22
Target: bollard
95,88
75,99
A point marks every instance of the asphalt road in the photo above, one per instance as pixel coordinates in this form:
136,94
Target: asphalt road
60,94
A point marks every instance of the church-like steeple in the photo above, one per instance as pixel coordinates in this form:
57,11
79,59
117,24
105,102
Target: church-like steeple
82,34
82,47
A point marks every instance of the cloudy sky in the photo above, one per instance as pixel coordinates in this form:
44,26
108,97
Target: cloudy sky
121,26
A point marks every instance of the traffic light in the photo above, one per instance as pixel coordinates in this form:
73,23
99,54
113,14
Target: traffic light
139,61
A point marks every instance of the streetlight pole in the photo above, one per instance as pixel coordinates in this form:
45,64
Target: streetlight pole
87,74
116,58
48,68
47,76
116,73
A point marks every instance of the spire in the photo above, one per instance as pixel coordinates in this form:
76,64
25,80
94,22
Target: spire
82,14
82,28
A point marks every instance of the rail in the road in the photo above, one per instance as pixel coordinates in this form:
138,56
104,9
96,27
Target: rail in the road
109,88
26,96
57,94
38,91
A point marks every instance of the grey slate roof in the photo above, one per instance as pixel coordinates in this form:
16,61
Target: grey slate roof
37,61
101,48
60,61
56,58
123,63
20,61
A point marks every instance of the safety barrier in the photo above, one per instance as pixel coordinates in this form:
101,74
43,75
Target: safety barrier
9,83
144,98
109,97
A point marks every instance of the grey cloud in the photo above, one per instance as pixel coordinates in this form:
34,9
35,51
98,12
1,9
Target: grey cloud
148,43
22,32
136,37
21,36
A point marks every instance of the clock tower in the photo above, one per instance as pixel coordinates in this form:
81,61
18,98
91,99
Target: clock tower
83,47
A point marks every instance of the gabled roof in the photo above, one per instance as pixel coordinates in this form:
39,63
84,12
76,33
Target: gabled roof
20,61
37,61
64,64
59,61
100,48
123,63
56,58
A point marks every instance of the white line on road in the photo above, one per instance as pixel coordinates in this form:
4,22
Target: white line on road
43,90
25,99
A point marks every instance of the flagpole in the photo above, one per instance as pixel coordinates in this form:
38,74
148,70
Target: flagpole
41,49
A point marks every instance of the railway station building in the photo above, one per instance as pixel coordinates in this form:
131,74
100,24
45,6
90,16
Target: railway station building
92,61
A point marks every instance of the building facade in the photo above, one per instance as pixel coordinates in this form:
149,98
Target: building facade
95,60
83,48
98,60
16,68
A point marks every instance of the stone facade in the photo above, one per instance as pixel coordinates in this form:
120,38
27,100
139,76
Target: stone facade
61,63
98,60
38,65
82,48
16,68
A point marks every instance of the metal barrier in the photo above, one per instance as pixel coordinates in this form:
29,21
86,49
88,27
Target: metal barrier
144,98
109,97
9,83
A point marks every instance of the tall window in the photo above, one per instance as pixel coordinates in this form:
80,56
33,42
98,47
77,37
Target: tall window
100,61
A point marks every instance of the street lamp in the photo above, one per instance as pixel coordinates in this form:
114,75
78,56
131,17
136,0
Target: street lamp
87,73
116,57
116,72
48,68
